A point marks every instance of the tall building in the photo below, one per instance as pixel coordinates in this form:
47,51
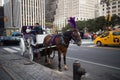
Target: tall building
24,13
114,8
50,7
80,9
1,18
0,2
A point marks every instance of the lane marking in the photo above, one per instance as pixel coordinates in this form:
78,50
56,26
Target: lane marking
107,48
94,63
10,50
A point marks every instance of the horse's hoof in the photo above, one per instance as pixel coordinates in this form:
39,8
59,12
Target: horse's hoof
49,62
60,70
65,67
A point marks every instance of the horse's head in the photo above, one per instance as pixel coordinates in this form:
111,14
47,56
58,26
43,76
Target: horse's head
76,36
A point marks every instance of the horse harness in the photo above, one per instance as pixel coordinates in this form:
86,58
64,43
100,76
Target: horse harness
61,41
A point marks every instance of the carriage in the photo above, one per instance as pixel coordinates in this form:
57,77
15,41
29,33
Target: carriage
28,45
46,44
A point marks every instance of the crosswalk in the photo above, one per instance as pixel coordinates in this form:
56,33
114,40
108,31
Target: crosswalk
16,49
11,49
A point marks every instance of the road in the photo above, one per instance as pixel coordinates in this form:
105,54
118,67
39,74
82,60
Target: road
100,63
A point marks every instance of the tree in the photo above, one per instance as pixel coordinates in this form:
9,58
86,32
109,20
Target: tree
96,24
115,20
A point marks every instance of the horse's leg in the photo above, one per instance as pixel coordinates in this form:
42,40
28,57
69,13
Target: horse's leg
45,54
64,58
49,61
59,59
49,53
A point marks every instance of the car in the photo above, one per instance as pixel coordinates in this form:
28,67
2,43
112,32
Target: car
108,38
12,39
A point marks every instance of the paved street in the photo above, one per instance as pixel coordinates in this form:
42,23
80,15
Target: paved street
101,63
16,67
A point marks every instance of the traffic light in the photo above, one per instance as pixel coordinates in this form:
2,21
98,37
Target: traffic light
108,18
5,19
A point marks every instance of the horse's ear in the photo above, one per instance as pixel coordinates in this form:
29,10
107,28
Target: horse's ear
72,22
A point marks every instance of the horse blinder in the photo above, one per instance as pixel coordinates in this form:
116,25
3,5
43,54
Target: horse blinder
76,37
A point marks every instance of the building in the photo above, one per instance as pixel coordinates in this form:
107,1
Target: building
114,8
50,7
1,18
80,9
0,2
23,13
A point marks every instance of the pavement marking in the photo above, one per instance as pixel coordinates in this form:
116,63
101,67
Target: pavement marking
92,46
10,50
94,63
73,49
16,48
107,48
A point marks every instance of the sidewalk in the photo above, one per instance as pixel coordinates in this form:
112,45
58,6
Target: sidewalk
16,67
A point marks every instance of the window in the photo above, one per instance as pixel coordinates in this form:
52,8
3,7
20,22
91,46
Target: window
113,7
113,11
118,6
113,3
116,33
105,34
118,14
118,1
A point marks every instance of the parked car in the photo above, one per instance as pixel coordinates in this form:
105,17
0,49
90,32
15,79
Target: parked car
108,38
12,39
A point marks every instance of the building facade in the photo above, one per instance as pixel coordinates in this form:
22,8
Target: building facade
50,7
0,2
114,8
1,18
24,13
80,9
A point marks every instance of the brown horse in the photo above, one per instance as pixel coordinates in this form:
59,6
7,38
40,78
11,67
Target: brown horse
61,41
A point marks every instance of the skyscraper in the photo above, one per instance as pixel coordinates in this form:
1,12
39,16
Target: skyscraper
0,2
80,9
24,12
114,8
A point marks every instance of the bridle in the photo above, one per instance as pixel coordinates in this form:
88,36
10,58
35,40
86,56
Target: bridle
76,36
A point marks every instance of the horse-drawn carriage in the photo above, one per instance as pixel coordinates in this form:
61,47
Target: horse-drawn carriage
29,44
47,43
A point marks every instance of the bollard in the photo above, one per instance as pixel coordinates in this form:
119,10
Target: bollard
77,71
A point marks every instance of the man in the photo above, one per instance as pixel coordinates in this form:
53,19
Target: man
37,29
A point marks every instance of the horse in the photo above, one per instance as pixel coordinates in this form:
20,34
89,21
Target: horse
27,41
61,41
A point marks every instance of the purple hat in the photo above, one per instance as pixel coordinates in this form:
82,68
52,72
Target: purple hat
72,22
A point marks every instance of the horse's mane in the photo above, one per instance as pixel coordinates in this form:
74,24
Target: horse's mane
67,33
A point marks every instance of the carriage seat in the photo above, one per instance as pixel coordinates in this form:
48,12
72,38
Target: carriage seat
40,38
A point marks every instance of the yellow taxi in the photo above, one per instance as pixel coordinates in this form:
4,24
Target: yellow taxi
108,38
